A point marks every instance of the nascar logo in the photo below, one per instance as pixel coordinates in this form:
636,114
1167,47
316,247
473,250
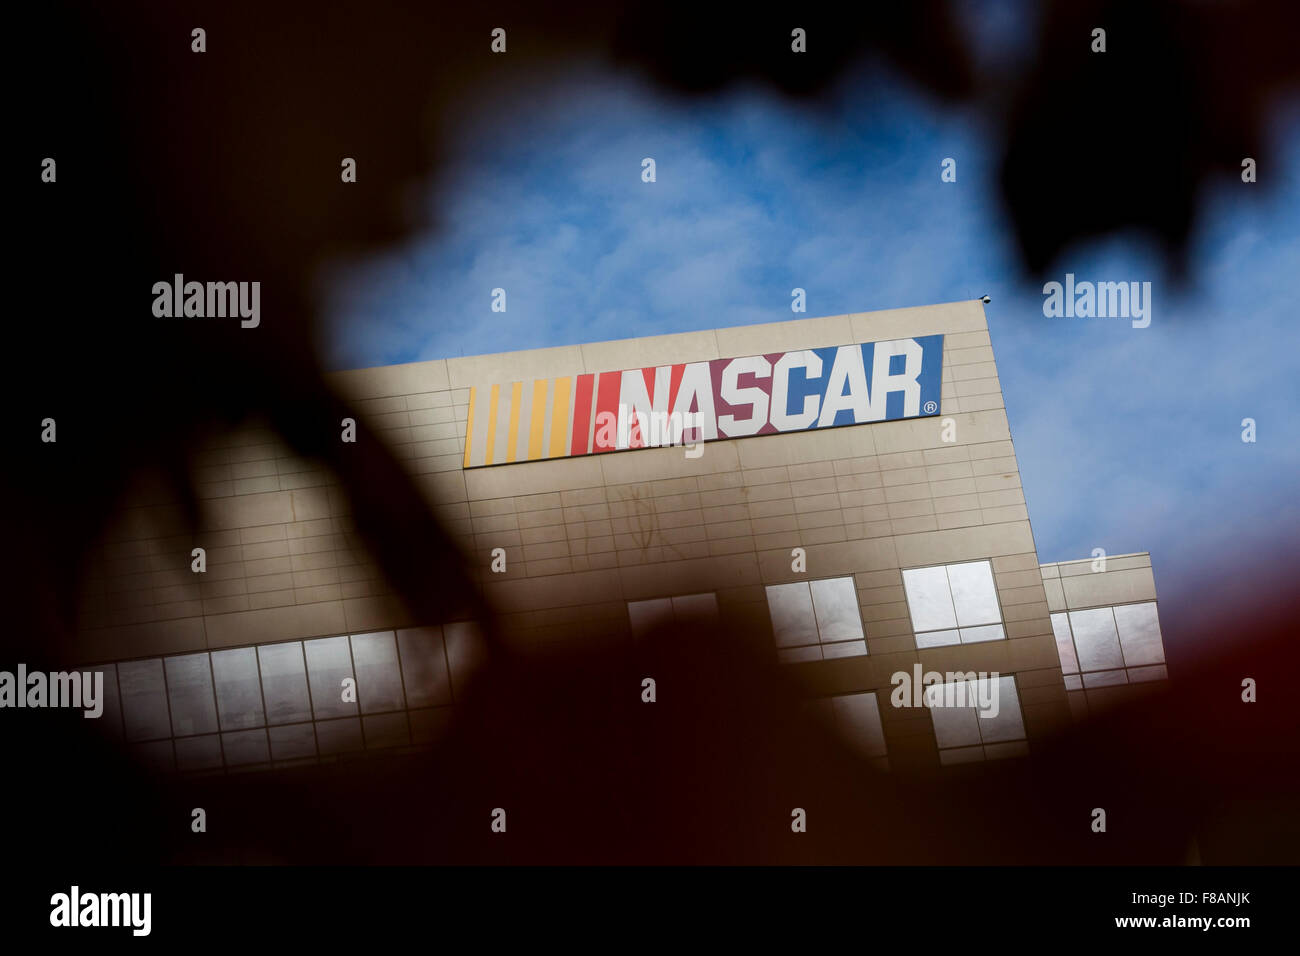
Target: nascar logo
704,401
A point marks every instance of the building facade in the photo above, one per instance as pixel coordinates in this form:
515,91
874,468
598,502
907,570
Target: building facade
846,487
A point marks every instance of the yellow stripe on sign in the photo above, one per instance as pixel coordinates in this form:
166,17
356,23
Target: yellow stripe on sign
560,418
538,423
512,433
492,424
469,426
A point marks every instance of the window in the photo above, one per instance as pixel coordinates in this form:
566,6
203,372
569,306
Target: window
816,620
245,747
198,753
284,683
239,695
856,719
379,682
144,700
249,707
953,604
662,612
329,664
424,666
292,742
189,688
111,718
976,719
1105,646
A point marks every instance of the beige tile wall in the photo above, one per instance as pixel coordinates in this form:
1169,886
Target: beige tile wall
1074,585
585,535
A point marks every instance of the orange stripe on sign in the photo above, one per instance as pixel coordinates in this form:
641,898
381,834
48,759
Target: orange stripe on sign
469,426
580,442
559,418
494,395
512,433
538,423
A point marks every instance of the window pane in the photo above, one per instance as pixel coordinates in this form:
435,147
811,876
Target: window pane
379,683
955,694
844,649
647,616
239,696
189,685
245,747
1104,679
338,736
977,635
1095,639
1138,675
1007,725
953,726
424,666
110,720
386,730
928,599
938,639
1064,643
836,604
198,753
792,614
1139,633
1014,749
157,756
284,683
962,755
857,718
144,700
329,663
296,740
973,593
698,607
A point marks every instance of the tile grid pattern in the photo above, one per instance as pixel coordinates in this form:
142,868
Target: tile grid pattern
177,713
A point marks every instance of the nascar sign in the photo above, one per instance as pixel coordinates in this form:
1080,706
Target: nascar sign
704,401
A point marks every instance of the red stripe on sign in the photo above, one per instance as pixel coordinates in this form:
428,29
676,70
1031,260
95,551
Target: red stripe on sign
674,383
607,394
581,416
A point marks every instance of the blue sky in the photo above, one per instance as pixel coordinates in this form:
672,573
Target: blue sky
1128,439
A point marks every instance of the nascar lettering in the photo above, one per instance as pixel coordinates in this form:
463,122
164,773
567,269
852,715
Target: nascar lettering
692,402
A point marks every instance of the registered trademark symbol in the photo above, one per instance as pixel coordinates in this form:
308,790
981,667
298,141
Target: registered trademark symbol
931,407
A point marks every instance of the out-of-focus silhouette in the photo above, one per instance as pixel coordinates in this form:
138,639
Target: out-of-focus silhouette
225,166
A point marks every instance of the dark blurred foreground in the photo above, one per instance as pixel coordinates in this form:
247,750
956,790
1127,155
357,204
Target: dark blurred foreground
225,165
709,773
